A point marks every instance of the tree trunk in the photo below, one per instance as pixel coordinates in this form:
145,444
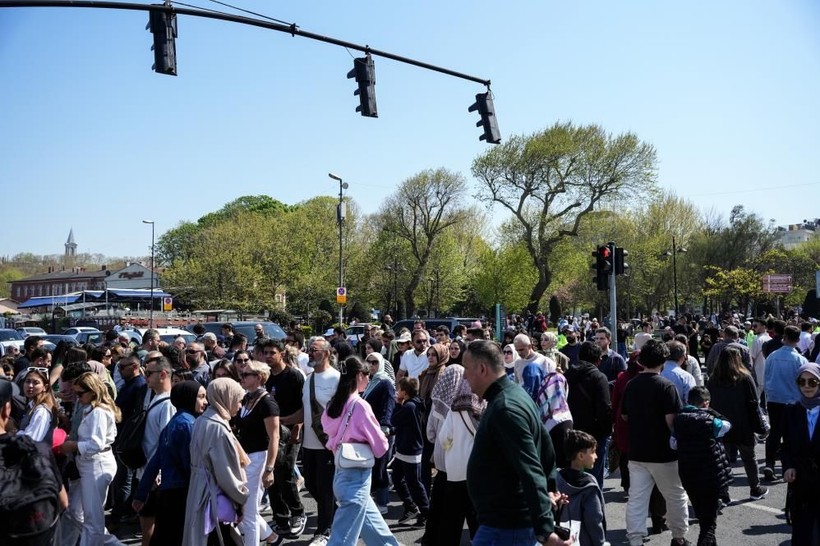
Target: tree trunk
544,279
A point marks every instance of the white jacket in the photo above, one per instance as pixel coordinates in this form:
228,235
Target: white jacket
456,436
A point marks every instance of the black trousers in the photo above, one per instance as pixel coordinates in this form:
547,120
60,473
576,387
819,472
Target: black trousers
557,435
408,484
437,501
284,493
776,433
169,523
457,508
706,504
427,465
319,472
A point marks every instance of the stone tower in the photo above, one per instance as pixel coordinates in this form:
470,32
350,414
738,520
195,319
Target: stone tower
70,245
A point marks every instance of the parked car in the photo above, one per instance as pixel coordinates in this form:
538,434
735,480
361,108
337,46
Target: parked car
355,333
26,331
168,335
247,328
73,331
94,337
10,338
51,341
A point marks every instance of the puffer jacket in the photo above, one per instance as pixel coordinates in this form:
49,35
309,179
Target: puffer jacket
702,461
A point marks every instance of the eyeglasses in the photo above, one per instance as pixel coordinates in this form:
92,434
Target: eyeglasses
314,350
801,382
242,360
373,361
192,351
107,355
420,341
41,370
247,374
149,373
508,352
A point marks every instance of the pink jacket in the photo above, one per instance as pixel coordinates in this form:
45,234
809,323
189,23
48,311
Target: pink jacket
363,427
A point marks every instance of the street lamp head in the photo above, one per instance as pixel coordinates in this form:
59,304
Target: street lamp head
681,249
148,222
335,176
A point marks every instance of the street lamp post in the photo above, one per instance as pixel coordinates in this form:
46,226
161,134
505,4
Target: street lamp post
340,217
151,308
674,253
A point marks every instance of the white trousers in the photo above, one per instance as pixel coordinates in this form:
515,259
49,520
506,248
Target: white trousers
642,478
253,527
86,505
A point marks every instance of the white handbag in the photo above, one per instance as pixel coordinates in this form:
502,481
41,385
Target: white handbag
353,454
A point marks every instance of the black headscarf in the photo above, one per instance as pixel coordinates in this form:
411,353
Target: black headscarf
183,396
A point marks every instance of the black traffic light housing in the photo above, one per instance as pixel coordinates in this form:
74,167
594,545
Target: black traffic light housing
620,265
603,266
163,26
484,105
364,70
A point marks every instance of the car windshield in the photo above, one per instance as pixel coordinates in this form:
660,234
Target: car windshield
9,335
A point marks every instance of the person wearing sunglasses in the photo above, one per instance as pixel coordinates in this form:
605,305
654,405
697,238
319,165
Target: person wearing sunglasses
195,357
42,410
800,456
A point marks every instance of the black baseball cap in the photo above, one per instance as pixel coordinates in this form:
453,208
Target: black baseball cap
6,391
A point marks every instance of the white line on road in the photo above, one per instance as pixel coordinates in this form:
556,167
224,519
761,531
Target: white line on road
768,509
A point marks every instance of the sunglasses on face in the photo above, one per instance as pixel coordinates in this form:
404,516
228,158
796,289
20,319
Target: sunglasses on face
508,352
248,374
149,373
811,382
243,360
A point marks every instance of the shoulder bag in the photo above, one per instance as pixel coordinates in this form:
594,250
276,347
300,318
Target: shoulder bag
316,414
353,454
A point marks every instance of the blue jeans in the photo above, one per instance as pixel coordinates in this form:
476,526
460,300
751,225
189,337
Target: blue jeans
357,515
493,536
602,463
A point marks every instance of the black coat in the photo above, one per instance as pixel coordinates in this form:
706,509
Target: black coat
802,454
738,402
702,461
588,399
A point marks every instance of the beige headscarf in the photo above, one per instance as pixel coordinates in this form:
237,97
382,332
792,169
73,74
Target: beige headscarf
224,396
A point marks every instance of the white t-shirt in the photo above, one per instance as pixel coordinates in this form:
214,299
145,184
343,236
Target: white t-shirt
758,360
157,419
412,363
546,364
325,384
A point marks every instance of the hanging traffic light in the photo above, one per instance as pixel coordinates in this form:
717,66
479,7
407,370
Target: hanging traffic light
364,70
484,105
620,265
163,26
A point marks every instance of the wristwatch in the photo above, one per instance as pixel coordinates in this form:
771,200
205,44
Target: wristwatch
268,469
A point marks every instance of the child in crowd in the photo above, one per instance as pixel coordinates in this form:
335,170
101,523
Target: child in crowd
586,501
702,463
407,423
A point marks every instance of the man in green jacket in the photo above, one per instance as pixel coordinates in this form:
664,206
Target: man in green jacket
512,457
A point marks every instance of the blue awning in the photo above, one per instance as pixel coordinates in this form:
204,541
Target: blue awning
48,301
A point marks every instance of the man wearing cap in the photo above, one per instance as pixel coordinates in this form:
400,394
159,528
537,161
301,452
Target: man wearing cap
212,349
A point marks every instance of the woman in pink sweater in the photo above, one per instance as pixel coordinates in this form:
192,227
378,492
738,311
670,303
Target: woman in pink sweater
348,418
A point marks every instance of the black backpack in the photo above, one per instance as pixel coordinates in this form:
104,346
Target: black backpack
29,491
128,445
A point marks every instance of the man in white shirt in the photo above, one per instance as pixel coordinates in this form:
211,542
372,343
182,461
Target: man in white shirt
756,351
160,410
317,460
523,347
414,362
805,336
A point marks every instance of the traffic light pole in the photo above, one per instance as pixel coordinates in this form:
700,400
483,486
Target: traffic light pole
613,311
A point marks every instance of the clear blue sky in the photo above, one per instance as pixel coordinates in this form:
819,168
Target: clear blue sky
91,138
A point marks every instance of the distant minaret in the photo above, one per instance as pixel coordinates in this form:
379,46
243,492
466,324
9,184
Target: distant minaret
70,245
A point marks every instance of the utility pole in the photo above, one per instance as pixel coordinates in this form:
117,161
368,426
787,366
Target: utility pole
613,300
340,216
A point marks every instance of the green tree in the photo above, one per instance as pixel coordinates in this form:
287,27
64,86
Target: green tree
551,180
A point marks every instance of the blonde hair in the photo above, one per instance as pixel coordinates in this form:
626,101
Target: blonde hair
91,382
260,368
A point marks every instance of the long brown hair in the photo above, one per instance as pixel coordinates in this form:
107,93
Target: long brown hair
729,368
45,398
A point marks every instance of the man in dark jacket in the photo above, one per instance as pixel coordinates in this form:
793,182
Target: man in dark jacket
512,457
589,402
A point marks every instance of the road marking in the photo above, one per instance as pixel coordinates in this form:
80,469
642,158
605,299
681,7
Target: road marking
762,507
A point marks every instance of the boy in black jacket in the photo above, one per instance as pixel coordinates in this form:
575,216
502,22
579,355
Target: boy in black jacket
702,463
407,423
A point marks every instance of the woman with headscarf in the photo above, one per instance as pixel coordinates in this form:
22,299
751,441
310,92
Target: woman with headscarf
456,349
173,458
443,395
509,361
800,456
438,356
218,484
456,439
381,395
551,400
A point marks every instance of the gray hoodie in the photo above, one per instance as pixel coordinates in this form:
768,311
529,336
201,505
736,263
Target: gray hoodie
586,504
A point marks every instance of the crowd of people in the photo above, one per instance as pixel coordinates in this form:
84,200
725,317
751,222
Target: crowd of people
512,438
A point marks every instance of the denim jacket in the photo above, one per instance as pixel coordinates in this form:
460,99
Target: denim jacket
172,457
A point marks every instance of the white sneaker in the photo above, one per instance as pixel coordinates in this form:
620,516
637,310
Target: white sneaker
318,540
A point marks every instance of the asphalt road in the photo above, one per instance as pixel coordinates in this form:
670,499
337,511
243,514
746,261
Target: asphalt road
743,523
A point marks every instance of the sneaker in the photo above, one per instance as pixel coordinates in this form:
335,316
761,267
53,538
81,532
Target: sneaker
408,515
758,493
297,525
768,474
318,540
421,521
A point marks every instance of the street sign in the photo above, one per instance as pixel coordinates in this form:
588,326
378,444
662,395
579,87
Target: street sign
167,303
777,284
341,295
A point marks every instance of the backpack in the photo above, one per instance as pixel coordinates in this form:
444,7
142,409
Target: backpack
128,445
29,492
